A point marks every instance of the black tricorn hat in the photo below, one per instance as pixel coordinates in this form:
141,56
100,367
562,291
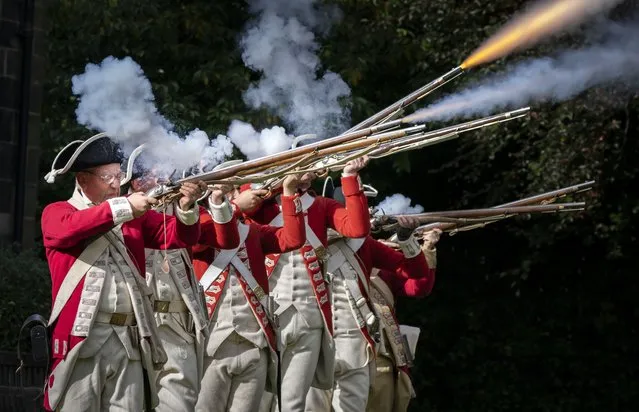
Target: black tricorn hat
80,155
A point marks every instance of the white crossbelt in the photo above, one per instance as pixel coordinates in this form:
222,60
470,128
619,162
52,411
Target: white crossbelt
223,259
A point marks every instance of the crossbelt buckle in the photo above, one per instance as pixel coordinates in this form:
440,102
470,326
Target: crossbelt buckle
161,306
321,253
118,319
259,293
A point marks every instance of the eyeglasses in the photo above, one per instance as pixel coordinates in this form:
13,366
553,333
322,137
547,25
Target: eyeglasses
108,178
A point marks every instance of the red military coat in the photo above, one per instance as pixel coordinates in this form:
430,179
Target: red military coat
350,220
67,231
261,240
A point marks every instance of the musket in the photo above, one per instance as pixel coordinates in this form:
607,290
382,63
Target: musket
474,216
333,152
542,198
393,142
386,114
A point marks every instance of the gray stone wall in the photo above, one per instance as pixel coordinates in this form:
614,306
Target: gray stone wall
12,42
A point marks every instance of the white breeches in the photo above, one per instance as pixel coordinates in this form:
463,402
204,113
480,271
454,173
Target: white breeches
178,382
106,381
234,378
299,353
349,394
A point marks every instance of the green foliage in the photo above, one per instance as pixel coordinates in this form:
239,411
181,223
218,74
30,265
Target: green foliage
527,315
26,289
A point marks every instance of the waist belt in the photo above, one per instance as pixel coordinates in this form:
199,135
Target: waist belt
118,319
170,306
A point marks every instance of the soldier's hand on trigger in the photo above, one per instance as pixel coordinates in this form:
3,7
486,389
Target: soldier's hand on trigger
291,183
140,203
250,199
406,226
191,192
431,238
354,166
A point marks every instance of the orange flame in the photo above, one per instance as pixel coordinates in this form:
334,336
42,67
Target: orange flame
541,21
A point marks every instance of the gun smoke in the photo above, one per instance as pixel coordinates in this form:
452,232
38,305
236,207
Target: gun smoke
116,98
258,144
280,43
398,204
550,79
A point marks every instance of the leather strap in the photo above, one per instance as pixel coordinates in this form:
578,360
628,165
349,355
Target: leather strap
118,319
223,259
79,268
170,306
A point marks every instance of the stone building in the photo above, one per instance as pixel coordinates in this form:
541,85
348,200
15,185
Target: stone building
22,68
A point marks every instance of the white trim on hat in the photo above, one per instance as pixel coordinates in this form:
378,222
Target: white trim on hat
130,162
50,177
370,191
326,185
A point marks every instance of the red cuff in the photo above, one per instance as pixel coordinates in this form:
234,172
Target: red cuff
351,185
291,205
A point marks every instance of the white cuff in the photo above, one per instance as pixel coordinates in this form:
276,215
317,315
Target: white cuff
221,213
188,217
410,247
120,209
431,257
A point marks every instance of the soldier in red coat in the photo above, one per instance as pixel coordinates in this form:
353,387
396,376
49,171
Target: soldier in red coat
392,389
179,309
299,289
356,326
241,343
104,340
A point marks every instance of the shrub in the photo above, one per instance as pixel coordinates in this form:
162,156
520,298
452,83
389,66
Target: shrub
26,289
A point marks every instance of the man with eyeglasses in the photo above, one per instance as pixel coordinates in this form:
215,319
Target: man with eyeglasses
179,308
104,341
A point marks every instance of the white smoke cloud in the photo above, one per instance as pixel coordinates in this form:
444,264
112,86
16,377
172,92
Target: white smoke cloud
549,79
398,204
281,44
256,144
116,98
220,148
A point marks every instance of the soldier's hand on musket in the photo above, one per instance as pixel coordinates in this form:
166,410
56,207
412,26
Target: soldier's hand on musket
250,199
140,203
406,226
218,192
191,192
291,183
354,166
431,238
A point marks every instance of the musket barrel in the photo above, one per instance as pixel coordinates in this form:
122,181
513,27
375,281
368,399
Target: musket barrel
405,101
469,213
581,187
447,133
